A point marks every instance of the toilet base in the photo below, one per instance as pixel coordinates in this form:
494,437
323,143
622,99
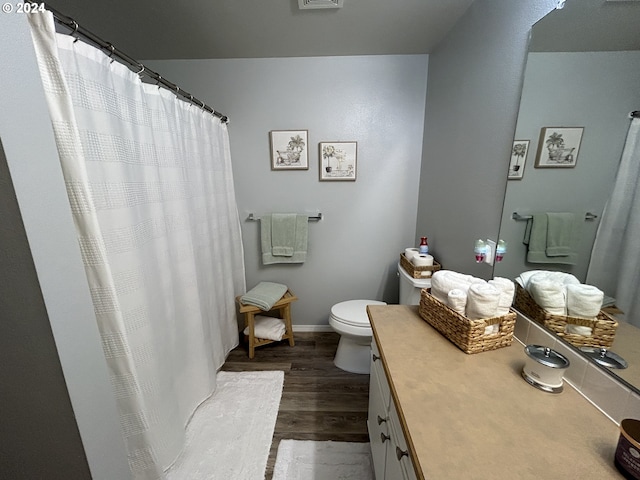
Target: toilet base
353,356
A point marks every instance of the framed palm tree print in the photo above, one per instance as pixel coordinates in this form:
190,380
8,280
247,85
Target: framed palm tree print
558,147
338,161
518,158
289,150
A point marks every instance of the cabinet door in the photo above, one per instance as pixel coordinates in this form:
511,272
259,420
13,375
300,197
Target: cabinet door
398,464
377,423
378,369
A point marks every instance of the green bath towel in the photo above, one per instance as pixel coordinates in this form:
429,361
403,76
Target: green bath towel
264,295
283,240
552,238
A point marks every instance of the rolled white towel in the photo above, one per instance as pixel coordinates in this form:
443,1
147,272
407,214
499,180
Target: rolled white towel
584,301
482,301
457,300
491,329
507,291
550,295
523,278
443,281
269,328
578,330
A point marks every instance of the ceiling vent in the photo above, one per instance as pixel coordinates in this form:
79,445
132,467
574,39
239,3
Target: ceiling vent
311,4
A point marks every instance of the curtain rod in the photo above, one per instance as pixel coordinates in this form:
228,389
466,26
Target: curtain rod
77,30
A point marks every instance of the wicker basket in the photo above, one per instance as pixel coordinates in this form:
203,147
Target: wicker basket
603,327
418,272
466,334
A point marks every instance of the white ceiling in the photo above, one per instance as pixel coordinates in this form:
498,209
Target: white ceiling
173,29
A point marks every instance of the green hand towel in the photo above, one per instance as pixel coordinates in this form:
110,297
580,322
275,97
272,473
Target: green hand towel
560,234
264,295
283,234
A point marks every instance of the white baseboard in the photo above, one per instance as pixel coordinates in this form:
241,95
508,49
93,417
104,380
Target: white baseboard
312,328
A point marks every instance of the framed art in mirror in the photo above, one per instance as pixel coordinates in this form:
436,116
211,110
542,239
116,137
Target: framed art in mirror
338,161
558,147
289,150
519,152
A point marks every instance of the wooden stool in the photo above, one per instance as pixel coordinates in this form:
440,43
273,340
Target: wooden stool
283,306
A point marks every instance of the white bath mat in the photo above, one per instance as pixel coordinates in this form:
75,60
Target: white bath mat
305,459
229,435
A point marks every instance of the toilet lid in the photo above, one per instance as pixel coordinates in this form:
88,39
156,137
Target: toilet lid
353,312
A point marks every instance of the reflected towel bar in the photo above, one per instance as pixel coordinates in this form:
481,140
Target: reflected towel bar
516,216
317,217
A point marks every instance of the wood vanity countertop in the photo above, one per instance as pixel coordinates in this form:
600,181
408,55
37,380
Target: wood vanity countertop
474,416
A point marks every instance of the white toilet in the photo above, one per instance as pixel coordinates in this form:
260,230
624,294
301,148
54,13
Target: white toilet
351,321
410,287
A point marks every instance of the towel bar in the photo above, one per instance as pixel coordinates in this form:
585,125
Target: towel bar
516,216
317,217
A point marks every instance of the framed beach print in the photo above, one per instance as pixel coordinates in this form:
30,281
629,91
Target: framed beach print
518,158
338,161
289,150
558,147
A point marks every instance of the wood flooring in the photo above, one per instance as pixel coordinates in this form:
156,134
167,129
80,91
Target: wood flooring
319,401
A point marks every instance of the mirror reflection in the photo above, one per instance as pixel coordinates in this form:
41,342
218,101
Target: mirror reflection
581,82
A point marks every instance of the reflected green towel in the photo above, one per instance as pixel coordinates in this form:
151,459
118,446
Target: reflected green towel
559,234
264,295
536,237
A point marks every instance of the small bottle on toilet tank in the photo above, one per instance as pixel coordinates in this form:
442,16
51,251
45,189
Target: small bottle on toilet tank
424,247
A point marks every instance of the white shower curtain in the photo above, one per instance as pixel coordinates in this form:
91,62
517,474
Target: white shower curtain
151,190
615,258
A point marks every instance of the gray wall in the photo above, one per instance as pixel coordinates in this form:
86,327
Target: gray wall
36,410
472,103
594,90
377,101
56,303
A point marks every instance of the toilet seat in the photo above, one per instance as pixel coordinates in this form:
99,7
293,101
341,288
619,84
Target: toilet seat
353,312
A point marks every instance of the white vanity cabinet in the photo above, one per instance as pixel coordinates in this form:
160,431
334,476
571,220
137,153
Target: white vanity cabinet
388,446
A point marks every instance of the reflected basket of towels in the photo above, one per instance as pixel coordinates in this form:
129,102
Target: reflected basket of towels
473,314
418,271
598,331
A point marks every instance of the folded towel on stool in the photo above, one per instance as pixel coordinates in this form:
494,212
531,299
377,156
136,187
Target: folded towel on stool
264,295
482,301
269,328
584,301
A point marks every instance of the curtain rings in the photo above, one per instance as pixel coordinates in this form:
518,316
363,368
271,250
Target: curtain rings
75,30
139,72
112,50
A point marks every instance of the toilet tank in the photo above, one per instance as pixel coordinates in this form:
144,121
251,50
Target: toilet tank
410,287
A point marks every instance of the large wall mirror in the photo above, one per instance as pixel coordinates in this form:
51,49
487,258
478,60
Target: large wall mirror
582,74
